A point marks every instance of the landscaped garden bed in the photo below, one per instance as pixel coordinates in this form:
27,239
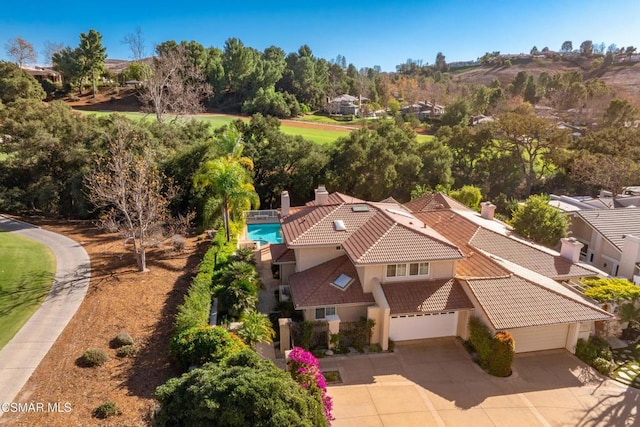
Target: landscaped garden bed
627,365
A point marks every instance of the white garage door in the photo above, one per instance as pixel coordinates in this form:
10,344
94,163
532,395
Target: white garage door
540,338
419,326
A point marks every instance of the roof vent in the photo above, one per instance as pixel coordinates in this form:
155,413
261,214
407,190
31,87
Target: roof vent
360,208
338,225
342,281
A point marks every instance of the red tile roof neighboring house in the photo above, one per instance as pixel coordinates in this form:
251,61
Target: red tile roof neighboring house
336,198
313,287
433,202
426,296
280,254
515,302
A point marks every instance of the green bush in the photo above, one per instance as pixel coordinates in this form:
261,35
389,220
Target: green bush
127,351
94,357
502,355
481,339
592,349
232,394
106,410
121,339
202,344
602,365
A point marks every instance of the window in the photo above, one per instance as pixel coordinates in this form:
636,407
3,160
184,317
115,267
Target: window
323,312
414,269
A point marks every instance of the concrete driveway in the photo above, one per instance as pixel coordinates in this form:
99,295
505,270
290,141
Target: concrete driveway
434,382
21,356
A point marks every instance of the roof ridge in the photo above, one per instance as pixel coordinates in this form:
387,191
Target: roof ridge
373,245
446,241
319,221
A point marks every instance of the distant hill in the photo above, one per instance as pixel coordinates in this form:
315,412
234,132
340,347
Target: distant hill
623,77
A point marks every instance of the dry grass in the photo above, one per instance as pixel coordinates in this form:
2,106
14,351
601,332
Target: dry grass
119,298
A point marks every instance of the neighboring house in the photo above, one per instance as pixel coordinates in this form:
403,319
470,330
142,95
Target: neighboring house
41,73
420,270
345,104
423,110
611,239
479,119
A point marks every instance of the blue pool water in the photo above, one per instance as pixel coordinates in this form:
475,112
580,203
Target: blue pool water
264,233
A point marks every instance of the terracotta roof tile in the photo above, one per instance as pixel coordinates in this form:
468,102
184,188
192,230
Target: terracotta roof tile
313,288
432,202
514,302
336,198
425,296
534,259
280,254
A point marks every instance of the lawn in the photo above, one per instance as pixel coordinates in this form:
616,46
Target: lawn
26,275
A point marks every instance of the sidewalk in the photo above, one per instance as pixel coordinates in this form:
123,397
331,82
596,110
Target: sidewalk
22,355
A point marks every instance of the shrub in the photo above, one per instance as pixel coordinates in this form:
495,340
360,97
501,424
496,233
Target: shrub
392,345
106,410
502,355
127,351
202,344
305,369
177,242
121,339
375,348
231,393
592,349
602,365
481,339
94,357
306,334
468,195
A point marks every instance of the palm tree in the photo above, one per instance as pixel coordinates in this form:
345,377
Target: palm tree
240,270
256,327
628,313
236,298
229,182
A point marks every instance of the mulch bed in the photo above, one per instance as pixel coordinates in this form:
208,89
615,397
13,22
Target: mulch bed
118,299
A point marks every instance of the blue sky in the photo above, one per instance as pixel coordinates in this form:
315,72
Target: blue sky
367,33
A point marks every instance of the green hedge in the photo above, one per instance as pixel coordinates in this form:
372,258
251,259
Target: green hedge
495,352
481,339
593,349
202,344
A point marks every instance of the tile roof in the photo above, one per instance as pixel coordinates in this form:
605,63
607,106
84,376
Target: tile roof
426,296
514,302
313,288
434,201
379,233
613,224
336,198
280,254
530,257
460,230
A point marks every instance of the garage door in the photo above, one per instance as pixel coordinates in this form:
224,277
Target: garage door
419,326
540,338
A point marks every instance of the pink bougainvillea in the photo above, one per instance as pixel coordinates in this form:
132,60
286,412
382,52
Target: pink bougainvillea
305,369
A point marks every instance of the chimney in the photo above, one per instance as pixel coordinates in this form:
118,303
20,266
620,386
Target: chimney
571,249
488,210
630,256
285,203
322,196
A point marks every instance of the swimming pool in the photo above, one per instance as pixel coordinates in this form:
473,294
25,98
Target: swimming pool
264,233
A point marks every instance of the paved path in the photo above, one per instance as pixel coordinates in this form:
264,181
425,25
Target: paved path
22,355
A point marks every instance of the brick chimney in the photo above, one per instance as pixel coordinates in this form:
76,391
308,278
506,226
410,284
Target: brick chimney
322,196
570,248
285,203
630,256
488,210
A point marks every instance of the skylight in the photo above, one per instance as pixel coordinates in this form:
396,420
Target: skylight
338,224
360,208
399,212
343,281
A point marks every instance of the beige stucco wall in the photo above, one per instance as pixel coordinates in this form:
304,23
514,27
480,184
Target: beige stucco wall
462,330
382,326
349,313
310,257
286,270
376,314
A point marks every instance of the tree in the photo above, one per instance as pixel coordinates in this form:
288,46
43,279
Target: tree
50,48
256,327
441,64
608,172
619,113
67,63
175,86
136,44
21,51
539,221
586,48
127,185
534,50
91,56
457,113
628,312
468,195
15,84
567,46
243,390
228,182
610,290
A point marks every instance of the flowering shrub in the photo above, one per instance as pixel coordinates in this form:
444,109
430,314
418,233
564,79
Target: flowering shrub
305,369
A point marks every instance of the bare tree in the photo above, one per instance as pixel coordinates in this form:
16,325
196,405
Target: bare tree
21,51
136,44
50,49
128,186
175,86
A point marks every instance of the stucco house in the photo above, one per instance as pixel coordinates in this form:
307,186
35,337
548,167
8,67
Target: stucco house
421,269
